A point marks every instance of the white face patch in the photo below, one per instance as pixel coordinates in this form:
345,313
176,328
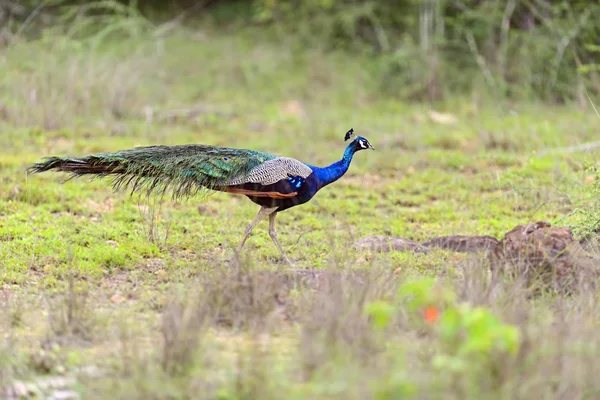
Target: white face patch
362,144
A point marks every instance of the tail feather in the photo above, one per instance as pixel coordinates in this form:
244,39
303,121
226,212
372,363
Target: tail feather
185,170
75,166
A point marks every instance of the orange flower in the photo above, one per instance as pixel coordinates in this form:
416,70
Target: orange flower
431,314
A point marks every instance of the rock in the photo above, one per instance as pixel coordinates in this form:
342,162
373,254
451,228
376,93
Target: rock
388,243
64,395
589,179
154,264
443,118
463,244
52,387
17,390
117,298
294,108
543,253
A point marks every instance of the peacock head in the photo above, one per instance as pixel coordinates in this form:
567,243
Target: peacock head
359,143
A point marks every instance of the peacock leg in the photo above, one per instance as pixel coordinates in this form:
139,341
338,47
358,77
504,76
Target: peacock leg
273,235
262,214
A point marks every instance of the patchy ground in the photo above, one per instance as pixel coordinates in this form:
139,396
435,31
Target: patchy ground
135,299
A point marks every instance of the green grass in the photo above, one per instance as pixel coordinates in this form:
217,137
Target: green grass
165,316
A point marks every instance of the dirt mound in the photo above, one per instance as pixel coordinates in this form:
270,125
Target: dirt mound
547,254
538,252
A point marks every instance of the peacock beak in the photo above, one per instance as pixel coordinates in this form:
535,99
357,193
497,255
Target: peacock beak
371,146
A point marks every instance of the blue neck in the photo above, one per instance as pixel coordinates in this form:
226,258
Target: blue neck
336,170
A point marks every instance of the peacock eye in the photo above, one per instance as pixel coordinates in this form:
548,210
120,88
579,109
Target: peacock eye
225,158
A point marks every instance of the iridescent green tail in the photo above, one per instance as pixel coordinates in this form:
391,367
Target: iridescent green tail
183,169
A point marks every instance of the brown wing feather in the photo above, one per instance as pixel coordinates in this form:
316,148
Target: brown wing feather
255,193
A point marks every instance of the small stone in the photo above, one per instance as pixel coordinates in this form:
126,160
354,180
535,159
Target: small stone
294,108
117,298
161,301
443,118
112,243
19,389
155,263
160,272
397,271
361,260
589,179
64,395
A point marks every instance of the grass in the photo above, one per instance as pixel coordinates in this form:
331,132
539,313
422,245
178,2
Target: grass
134,299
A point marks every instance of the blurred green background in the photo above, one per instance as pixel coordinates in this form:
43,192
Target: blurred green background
413,50
482,116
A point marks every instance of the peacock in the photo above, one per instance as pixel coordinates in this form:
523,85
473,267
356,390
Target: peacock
275,183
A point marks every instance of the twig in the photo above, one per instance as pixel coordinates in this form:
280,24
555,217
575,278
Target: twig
173,23
382,39
564,42
30,17
480,60
571,149
504,33
592,103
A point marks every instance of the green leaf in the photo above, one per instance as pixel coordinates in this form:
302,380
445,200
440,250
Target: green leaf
380,313
450,324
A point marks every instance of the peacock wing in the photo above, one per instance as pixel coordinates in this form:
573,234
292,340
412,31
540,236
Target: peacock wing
274,170
219,167
278,178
